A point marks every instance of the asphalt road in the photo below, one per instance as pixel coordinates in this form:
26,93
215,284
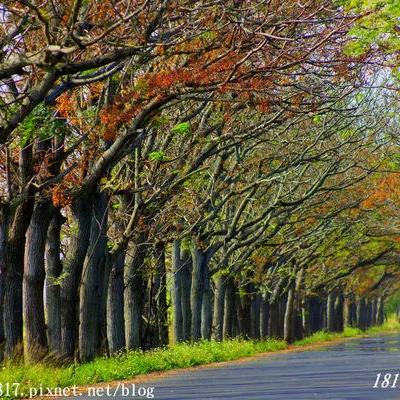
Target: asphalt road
348,370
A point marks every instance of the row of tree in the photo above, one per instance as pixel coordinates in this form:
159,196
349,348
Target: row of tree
231,161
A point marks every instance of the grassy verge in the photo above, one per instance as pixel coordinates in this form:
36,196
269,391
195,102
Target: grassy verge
131,364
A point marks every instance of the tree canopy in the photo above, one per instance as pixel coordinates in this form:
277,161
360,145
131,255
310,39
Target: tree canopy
241,155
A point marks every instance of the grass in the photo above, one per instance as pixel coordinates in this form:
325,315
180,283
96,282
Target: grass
131,364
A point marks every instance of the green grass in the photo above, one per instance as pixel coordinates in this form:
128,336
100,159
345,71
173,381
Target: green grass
131,364
322,336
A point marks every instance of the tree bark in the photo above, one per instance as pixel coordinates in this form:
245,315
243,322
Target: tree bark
339,304
361,317
3,263
73,266
197,290
53,268
206,306
13,280
264,317
305,316
350,310
218,314
273,325
33,285
255,317
115,306
186,268
379,311
161,309
330,312
373,311
288,324
177,292
134,295
91,317
229,308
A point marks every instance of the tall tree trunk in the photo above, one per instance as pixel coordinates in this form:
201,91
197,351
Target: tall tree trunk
3,263
314,308
368,309
229,308
243,310
361,320
288,324
186,268
218,314
73,266
379,311
33,285
206,306
273,325
350,310
305,316
161,309
323,314
53,267
177,291
240,315
373,311
115,306
13,279
339,304
196,299
134,296
92,283
264,317
330,309
255,317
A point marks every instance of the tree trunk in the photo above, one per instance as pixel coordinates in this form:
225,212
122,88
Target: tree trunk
323,320
198,288
243,310
255,317
361,320
373,311
350,310
218,314
330,312
33,285
186,268
177,282
3,263
115,306
73,266
339,301
273,326
161,297
368,311
53,267
15,225
92,283
288,324
229,307
264,317
206,306
315,316
13,279
134,296
305,316
379,311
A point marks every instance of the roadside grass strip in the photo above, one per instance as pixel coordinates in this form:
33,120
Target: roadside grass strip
128,365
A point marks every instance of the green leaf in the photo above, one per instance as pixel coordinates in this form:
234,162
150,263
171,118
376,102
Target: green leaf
181,128
156,155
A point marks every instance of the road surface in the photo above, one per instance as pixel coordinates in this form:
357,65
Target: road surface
348,370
